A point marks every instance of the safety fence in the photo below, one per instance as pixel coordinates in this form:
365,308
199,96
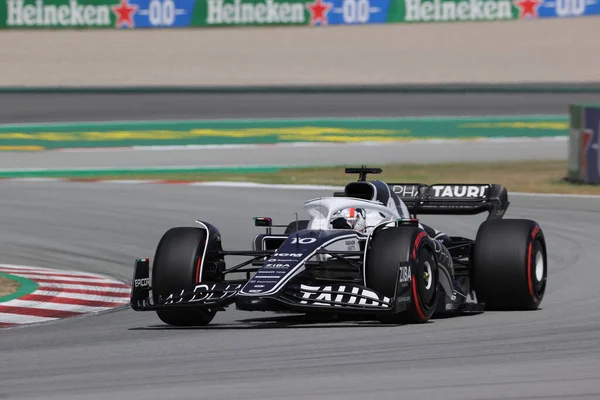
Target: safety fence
116,14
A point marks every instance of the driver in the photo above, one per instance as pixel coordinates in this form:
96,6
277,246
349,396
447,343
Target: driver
352,218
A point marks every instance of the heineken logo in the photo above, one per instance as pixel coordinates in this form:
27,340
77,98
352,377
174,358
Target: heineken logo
457,10
268,12
38,13
265,12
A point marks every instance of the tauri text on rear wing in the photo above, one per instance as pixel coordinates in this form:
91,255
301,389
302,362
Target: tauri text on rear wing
453,198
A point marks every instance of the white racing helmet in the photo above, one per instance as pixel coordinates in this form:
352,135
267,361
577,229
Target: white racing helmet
350,218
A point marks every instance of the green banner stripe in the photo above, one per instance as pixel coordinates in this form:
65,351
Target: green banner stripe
26,286
286,121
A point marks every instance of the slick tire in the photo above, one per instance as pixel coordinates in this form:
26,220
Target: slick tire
510,264
291,228
392,246
175,266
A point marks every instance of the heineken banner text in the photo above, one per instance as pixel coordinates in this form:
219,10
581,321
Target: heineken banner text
128,14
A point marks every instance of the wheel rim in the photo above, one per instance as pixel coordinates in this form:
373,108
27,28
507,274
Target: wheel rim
539,273
427,275
425,281
539,266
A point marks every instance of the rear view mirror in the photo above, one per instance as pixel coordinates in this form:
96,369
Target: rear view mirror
263,221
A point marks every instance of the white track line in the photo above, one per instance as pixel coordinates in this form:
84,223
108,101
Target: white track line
80,296
58,286
49,305
61,278
42,270
404,141
23,319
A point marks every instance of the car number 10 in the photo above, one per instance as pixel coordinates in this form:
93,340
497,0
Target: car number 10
303,240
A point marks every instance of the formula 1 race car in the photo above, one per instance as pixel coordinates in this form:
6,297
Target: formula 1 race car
397,270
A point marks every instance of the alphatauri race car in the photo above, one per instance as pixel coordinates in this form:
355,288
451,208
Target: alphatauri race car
395,270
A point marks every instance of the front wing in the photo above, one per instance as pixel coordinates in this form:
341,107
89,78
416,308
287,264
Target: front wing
335,298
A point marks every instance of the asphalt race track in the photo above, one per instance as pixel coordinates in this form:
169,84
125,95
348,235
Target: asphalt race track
553,353
51,107
334,154
547,354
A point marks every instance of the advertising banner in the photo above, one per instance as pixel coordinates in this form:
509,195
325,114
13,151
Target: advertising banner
454,10
131,14
488,10
260,12
563,8
96,14
584,144
56,14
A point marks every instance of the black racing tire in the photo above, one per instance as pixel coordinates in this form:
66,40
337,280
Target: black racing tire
510,265
175,266
391,246
291,228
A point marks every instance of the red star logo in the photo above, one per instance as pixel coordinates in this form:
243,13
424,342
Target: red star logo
528,8
318,11
124,13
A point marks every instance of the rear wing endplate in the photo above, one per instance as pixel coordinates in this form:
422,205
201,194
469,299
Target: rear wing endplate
453,198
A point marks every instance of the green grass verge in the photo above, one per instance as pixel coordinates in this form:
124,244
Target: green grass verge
13,287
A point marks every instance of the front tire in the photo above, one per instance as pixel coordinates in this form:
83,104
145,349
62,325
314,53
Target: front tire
176,264
388,248
510,264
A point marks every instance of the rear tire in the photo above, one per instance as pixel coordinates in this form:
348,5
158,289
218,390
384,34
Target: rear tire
510,264
177,258
392,246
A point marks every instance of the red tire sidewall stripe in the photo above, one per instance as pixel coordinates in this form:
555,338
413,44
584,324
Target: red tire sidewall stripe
529,276
534,233
417,300
417,242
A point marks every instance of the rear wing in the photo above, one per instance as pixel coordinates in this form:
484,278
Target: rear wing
453,198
